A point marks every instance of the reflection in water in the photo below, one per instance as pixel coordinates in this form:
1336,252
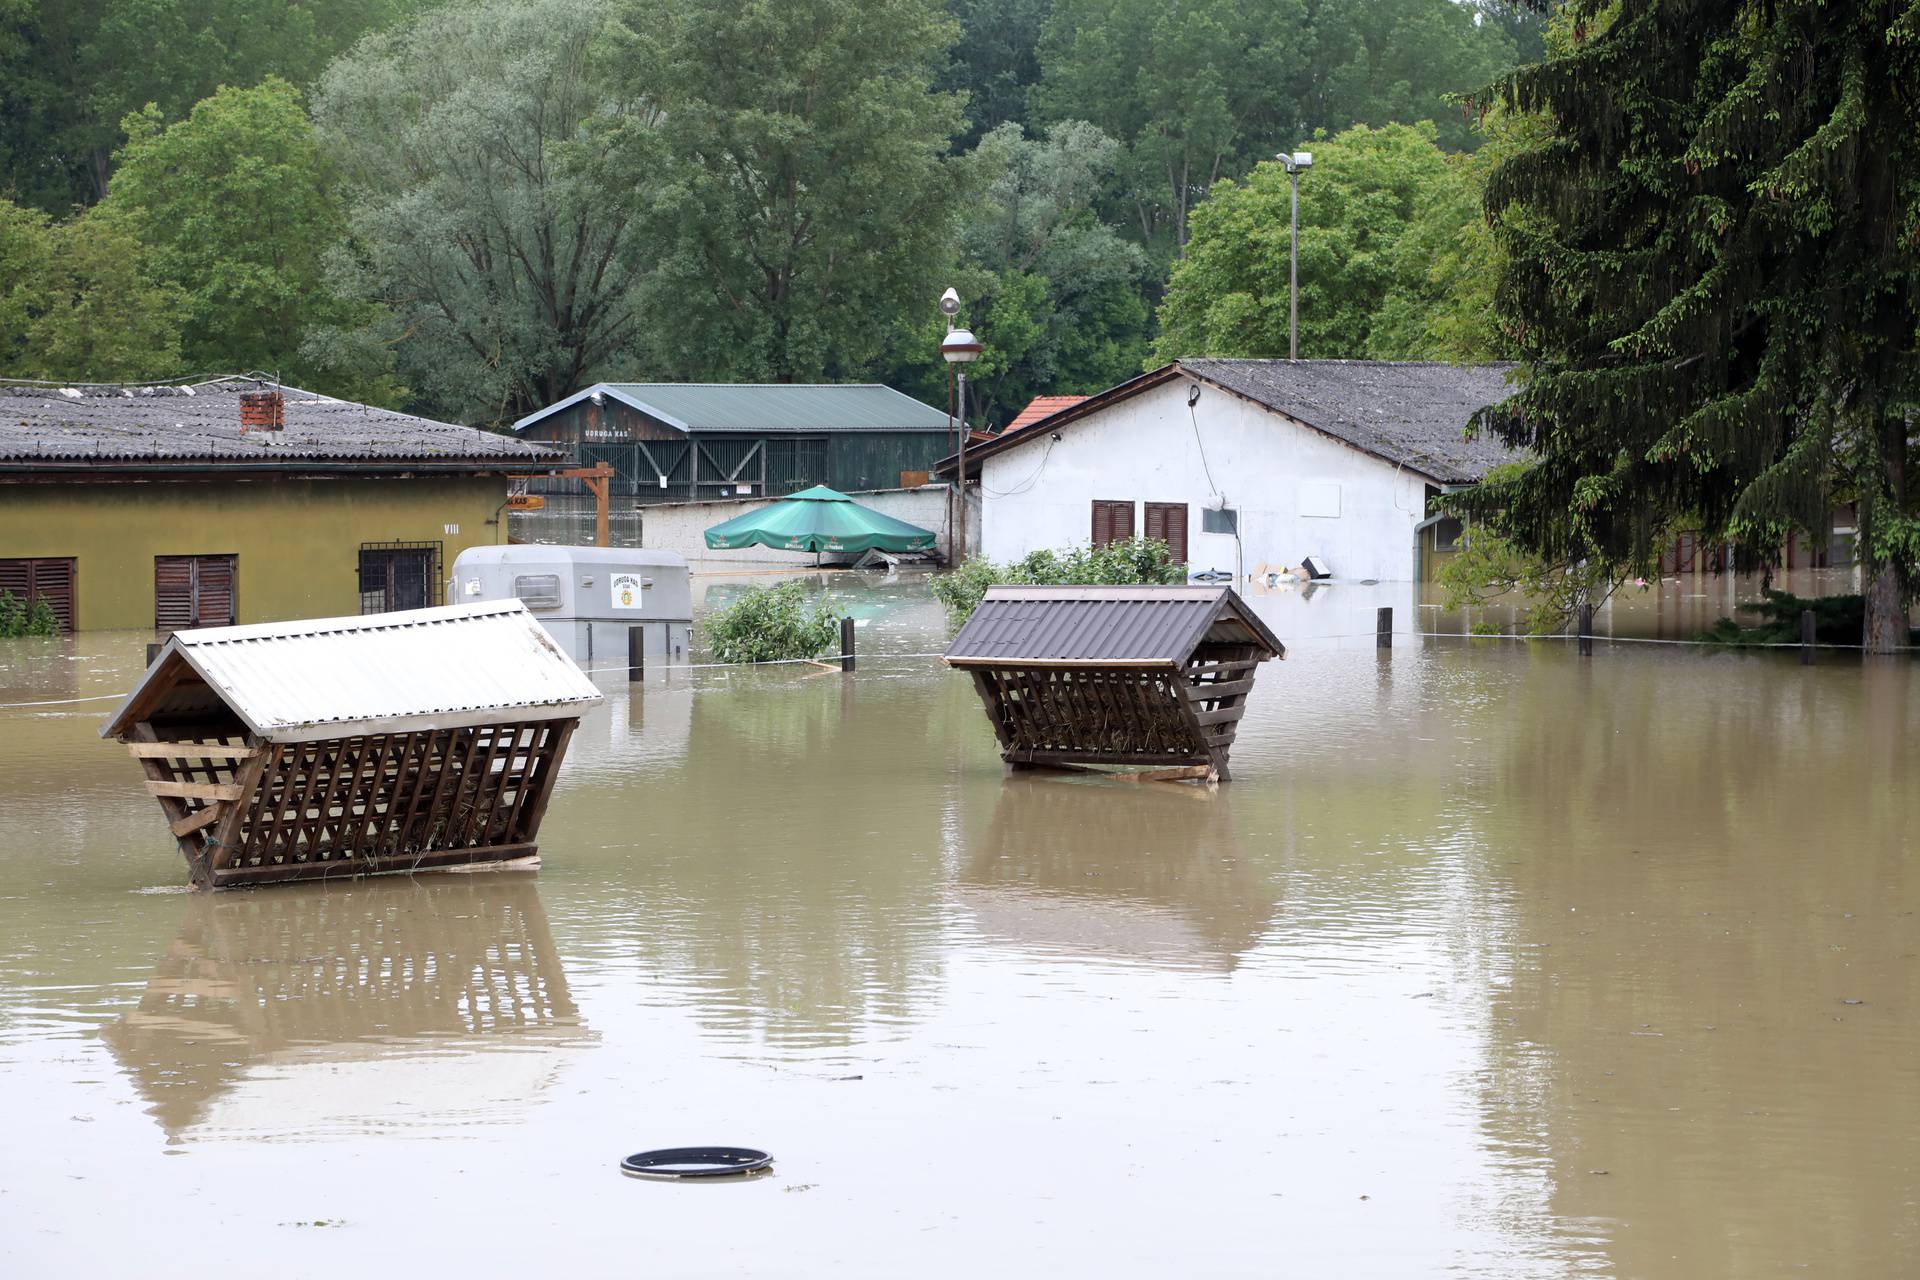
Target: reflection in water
1142,871
387,999
783,881
1707,1031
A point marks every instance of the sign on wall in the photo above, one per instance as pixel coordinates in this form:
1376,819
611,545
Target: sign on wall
626,590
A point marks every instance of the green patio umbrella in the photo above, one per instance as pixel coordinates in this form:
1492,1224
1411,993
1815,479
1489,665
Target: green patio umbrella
819,519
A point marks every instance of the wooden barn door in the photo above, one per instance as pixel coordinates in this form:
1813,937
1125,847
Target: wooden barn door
1167,521
1112,522
48,579
192,591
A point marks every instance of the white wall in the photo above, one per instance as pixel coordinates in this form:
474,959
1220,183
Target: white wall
1143,449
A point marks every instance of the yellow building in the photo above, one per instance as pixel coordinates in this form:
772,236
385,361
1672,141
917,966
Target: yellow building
130,508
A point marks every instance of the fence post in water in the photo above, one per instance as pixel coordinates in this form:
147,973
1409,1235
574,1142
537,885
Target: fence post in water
1383,628
636,653
846,644
1586,631
1806,637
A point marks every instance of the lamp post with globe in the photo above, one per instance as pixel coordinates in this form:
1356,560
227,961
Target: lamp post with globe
959,349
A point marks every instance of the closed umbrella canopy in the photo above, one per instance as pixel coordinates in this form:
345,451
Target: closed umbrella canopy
819,519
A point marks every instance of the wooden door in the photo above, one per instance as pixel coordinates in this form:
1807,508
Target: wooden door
46,578
1112,522
192,591
1167,521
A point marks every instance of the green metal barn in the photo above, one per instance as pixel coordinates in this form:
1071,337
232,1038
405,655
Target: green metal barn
688,442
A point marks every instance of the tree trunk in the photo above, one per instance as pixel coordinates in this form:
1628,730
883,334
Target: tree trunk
1886,589
1886,626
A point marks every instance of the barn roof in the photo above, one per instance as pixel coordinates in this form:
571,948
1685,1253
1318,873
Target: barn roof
1134,626
115,428
450,667
758,407
1412,414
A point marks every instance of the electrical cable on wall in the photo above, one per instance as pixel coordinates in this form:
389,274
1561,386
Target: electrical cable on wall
1239,549
1029,482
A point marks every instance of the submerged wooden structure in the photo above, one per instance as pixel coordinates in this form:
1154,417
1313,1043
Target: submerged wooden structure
355,746
1115,675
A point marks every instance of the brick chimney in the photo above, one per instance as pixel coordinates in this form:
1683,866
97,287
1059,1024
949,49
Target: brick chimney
262,411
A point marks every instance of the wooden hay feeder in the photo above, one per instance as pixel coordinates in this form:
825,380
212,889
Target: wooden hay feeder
355,746
1115,675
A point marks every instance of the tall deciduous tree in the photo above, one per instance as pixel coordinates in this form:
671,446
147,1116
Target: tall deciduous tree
795,175
71,70
77,301
1377,211
237,208
488,217
996,61
1713,273
1191,89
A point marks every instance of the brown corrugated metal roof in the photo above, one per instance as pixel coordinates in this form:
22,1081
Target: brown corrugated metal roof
1145,626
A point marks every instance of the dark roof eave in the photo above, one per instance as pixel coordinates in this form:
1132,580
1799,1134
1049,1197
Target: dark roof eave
215,468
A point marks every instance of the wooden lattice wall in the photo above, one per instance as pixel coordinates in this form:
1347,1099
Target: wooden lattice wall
1109,713
248,812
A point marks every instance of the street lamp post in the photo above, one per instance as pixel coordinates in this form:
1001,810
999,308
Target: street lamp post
1295,163
960,349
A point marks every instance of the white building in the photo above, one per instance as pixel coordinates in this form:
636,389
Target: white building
1247,467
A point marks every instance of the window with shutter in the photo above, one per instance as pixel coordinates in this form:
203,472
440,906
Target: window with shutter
193,591
46,580
1167,521
1112,522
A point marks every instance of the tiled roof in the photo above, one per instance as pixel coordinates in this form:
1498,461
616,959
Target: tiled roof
758,407
1040,407
115,427
1413,414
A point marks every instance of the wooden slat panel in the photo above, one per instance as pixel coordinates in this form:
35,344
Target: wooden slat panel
194,821
213,591
195,790
172,593
189,751
1167,521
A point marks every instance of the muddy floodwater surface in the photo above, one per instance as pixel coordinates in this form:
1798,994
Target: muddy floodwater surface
1490,962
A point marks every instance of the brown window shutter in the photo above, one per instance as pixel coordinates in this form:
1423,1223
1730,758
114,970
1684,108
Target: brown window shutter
213,591
53,583
1167,521
1112,522
172,593
33,581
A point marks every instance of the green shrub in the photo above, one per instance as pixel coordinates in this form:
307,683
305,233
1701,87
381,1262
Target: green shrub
1836,620
1133,562
16,619
768,624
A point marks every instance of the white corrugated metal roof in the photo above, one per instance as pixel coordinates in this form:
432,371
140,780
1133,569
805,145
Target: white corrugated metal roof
383,673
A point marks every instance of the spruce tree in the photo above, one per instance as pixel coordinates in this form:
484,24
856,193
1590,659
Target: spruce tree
1713,276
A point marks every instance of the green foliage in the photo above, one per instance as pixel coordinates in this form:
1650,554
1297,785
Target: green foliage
769,624
78,300
16,619
236,209
1131,562
1379,208
72,70
1709,267
996,60
797,192
490,220
1836,620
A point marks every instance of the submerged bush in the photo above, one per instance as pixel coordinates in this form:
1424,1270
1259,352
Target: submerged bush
1836,620
16,619
1132,562
768,624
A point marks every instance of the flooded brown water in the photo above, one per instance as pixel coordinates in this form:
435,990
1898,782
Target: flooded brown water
1491,962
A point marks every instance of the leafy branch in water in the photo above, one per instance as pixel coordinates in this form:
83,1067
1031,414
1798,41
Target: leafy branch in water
1131,562
771,624
1836,620
18,619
